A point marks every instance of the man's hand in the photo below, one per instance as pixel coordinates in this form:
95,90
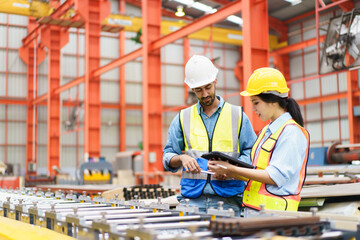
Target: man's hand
190,164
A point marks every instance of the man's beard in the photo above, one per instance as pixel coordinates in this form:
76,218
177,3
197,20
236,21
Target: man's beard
206,101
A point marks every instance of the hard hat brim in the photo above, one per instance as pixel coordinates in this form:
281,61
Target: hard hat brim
198,84
246,94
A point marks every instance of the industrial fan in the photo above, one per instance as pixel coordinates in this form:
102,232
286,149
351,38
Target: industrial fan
342,39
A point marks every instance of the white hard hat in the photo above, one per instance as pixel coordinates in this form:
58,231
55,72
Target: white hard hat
199,71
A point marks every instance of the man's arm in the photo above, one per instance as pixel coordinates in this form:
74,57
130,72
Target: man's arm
173,159
246,140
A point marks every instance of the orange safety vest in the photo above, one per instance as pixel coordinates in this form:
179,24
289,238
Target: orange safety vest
256,193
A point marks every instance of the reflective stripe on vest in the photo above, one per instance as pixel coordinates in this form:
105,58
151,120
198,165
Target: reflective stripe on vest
255,193
225,139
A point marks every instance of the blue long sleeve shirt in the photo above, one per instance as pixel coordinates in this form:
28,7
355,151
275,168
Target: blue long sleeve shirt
287,157
175,143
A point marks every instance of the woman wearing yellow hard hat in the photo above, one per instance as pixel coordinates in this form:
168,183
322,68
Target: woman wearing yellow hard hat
280,152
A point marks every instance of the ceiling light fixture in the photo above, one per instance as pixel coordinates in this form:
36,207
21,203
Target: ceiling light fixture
293,2
180,11
235,19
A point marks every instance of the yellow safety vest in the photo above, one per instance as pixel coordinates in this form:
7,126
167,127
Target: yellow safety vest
255,193
225,137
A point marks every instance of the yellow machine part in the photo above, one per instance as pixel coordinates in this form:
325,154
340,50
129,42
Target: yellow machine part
15,230
97,176
32,8
220,35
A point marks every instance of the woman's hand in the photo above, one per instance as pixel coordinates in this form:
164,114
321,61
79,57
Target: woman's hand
219,167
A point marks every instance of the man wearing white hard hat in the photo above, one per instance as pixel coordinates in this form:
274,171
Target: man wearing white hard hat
210,125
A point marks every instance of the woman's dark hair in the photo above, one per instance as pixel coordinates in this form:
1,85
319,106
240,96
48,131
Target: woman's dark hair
289,104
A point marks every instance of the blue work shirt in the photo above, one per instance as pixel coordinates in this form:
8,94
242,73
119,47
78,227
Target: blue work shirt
175,143
287,158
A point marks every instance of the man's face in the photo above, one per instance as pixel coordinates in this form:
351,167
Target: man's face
206,94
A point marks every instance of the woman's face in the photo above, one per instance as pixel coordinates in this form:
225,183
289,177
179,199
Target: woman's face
264,110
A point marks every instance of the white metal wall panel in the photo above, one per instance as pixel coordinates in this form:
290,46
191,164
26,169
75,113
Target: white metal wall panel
297,91
16,112
16,133
110,115
42,113
16,155
70,47
2,152
17,85
68,157
342,82
172,53
344,129
172,74
133,136
42,133
330,109
310,63
3,18
109,47
16,34
68,138
15,64
109,91
68,66
134,93
110,134
173,96
132,10
42,85
2,58
343,107
236,99
231,57
43,67
294,31
109,152
295,64
331,130
18,19
314,129
329,85
312,112
231,80
3,36
2,112
309,30
2,135
2,84
133,71
312,88
42,160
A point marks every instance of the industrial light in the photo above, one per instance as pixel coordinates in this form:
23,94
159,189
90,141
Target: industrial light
180,11
293,2
203,7
186,2
235,19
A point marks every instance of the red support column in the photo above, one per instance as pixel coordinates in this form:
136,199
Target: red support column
352,100
186,46
93,12
54,38
255,47
32,57
122,87
152,105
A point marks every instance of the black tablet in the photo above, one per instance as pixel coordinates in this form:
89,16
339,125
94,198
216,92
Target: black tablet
216,155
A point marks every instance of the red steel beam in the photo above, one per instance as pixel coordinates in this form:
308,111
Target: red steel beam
122,88
296,46
151,78
255,48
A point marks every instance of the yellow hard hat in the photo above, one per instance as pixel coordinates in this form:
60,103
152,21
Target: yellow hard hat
264,80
